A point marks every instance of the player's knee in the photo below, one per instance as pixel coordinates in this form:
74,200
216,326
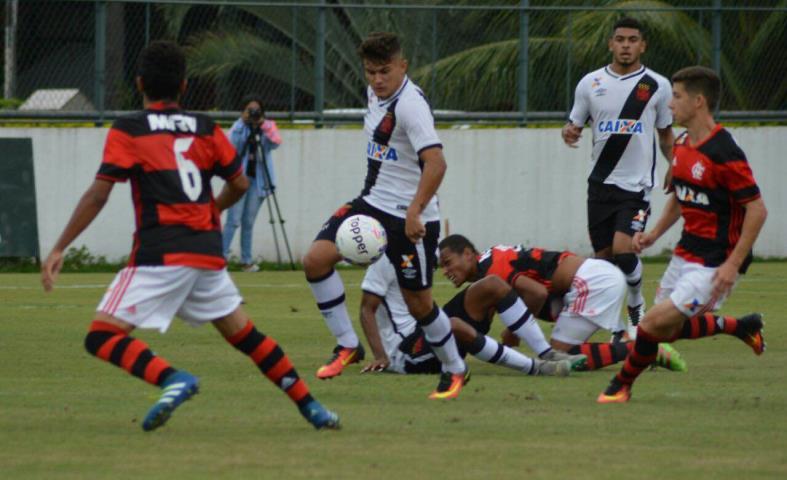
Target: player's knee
314,266
463,332
493,287
627,262
422,309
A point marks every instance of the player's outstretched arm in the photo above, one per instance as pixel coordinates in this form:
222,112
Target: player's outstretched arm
669,216
369,305
232,191
753,220
89,206
431,177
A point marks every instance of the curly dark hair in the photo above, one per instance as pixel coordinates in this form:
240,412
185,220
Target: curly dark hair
380,47
162,67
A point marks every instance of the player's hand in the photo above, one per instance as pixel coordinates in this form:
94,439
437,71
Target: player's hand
50,269
723,280
413,227
509,339
641,240
378,365
571,134
667,187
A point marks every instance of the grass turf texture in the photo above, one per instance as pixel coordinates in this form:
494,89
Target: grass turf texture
64,414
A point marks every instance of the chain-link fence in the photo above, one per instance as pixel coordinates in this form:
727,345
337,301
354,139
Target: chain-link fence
513,60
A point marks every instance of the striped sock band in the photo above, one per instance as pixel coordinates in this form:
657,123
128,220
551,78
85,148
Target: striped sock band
646,348
112,344
272,362
328,292
601,355
707,325
517,318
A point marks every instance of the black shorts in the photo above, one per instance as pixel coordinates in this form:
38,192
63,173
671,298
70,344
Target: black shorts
418,355
612,209
456,308
414,262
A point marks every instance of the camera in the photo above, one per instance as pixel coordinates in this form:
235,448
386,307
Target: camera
255,114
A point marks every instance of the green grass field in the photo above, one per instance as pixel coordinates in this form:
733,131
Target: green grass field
64,414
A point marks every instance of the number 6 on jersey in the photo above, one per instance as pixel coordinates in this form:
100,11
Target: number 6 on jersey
190,177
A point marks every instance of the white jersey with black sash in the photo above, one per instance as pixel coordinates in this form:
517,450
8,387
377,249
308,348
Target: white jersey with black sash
394,321
398,129
624,111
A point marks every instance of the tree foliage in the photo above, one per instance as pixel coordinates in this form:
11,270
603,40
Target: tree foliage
469,59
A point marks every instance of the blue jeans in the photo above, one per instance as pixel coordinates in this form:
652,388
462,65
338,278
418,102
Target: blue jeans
242,214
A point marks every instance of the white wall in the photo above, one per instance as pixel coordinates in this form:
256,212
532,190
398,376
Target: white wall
502,186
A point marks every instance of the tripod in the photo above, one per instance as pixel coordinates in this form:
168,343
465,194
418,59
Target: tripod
255,141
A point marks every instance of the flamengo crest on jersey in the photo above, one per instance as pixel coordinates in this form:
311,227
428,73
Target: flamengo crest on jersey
398,128
625,112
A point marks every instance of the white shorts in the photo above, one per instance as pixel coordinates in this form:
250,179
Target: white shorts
149,297
689,285
593,302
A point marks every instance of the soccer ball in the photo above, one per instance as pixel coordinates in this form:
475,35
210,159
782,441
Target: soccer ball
361,239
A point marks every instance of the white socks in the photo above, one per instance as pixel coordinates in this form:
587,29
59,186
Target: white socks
328,291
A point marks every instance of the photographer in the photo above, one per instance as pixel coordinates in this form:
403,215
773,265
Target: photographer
254,137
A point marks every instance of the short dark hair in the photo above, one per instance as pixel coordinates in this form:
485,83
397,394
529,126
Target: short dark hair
629,22
456,243
700,80
252,97
380,47
162,67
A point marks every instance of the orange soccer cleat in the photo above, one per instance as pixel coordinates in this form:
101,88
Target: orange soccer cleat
450,385
616,392
342,356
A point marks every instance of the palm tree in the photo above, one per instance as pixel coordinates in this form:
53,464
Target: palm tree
473,65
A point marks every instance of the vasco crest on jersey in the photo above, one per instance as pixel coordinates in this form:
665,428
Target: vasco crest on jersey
378,148
643,92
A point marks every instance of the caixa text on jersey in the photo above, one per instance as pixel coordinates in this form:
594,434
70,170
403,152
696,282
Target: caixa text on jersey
375,151
620,126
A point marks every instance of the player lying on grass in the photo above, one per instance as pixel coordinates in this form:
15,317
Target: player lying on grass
715,192
176,266
398,344
591,292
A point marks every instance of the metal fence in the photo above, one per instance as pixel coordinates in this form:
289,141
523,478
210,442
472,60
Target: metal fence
514,60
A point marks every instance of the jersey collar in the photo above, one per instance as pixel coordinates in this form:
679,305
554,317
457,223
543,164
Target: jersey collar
704,140
162,105
612,74
396,94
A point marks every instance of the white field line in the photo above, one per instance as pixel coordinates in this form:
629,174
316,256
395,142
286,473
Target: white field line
304,285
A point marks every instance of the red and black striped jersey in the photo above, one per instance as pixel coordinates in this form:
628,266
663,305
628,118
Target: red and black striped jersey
509,262
169,156
712,181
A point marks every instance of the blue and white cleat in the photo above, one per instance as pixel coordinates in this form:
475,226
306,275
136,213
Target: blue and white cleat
179,387
319,416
